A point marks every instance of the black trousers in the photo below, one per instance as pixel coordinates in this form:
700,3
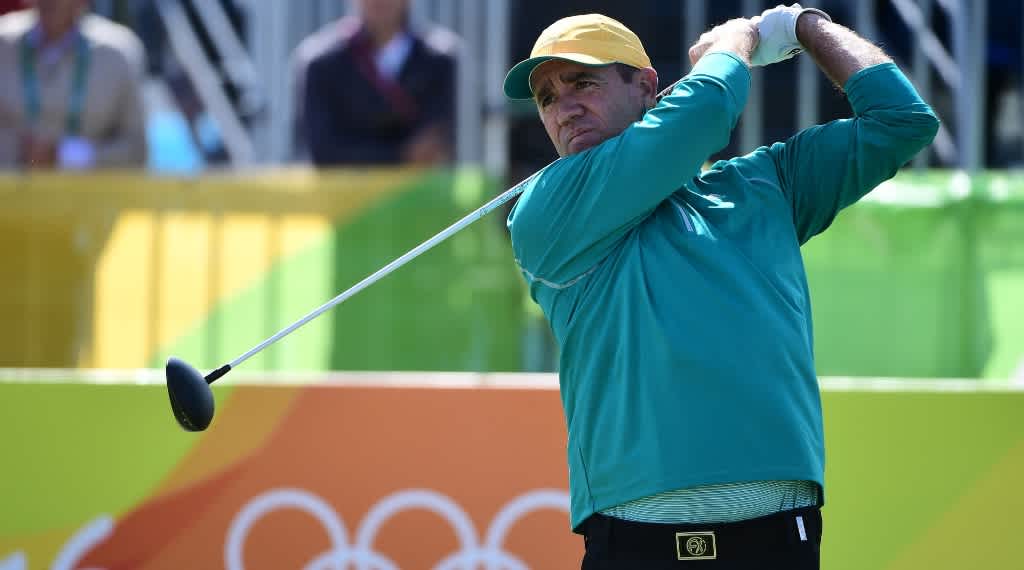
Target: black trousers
789,540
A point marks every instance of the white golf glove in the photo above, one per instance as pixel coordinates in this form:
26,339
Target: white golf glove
777,30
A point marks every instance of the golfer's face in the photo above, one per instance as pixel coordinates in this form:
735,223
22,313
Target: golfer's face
584,106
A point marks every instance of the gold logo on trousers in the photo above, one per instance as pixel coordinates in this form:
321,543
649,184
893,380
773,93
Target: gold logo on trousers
696,546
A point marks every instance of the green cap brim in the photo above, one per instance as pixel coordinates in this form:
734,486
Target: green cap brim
517,82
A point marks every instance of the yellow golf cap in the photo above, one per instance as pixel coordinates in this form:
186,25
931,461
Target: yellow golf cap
589,39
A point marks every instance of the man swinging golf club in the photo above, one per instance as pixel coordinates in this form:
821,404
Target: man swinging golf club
678,298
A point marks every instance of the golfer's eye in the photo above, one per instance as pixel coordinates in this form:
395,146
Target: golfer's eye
545,99
584,83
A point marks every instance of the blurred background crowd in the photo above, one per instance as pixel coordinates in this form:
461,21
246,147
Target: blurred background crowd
182,86
172,86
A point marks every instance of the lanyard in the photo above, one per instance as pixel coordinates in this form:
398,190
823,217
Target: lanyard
30,83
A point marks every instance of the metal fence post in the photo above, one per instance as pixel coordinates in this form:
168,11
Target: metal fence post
752,123
468,116
969,46
695,18
807,88
495,63
923,75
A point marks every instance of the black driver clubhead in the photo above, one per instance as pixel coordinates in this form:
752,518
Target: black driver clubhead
191,397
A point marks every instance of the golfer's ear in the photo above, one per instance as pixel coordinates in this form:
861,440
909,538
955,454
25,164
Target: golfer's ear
648,79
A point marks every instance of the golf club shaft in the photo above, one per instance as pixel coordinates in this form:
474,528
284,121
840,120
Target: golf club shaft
376,276
413,253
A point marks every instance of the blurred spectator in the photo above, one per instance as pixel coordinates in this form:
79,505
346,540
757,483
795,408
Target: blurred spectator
70,89
373,90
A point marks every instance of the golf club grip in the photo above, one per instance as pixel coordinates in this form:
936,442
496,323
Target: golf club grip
669,89
213,376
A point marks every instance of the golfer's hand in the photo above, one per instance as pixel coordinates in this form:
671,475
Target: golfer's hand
738,36
777,30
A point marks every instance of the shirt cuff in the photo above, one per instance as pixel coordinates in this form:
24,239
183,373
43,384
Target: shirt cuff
882,82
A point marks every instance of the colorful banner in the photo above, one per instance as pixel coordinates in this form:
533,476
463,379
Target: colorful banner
456,471
921,279
117,270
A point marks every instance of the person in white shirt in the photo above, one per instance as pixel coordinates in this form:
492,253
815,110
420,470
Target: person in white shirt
70,90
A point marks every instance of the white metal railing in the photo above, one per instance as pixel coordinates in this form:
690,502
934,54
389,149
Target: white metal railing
961,69
930,53
235,61
186,46
969,44
481,116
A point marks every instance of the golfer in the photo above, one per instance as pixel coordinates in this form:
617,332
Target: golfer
678,297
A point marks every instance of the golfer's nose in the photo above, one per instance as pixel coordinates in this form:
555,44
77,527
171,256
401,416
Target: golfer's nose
569,109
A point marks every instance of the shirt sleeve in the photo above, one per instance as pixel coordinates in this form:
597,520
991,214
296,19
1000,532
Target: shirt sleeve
826,168
572,213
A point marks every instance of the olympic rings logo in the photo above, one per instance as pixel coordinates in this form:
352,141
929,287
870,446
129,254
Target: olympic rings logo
80,543
471,554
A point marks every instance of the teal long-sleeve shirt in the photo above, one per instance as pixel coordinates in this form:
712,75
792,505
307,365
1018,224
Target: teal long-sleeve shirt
679,298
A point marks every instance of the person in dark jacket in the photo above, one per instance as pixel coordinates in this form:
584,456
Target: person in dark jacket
373,89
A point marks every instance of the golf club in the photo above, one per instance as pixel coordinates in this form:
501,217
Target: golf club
191,398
